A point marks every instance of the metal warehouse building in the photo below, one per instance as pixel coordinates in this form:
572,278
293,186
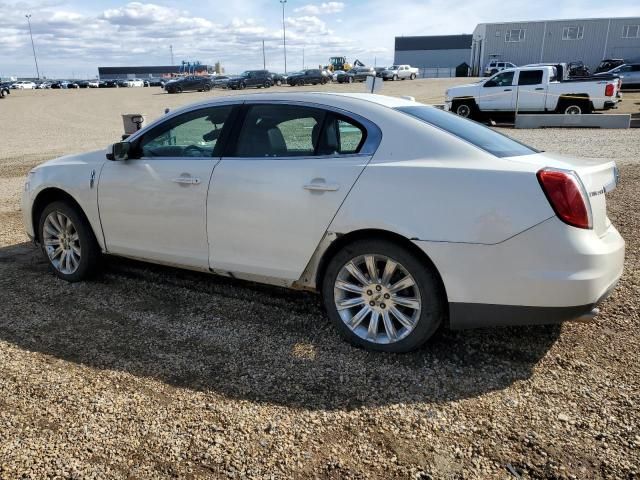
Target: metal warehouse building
117,73
587,40
436,55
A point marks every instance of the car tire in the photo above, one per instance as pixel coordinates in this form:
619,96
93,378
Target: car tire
207,88
242,86
63,225
413,76
323,81
573,107
267,84
464,109
349,79
177,90
395,78
373,306
279,83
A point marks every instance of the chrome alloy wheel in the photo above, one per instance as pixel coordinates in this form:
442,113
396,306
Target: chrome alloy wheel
377,298
62,242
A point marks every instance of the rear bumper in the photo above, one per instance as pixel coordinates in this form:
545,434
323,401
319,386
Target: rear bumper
548,274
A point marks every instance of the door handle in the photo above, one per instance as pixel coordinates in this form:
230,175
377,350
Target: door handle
322,187
187,180
507,90
540,88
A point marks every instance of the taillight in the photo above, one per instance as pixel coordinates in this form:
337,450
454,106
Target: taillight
608,91
567,196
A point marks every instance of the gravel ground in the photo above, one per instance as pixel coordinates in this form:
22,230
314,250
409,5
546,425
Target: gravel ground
152,372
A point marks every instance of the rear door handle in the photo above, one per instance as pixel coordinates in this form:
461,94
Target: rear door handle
507,90
540,88
187,180
322,187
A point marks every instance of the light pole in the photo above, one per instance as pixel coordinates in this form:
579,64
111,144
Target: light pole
264,58
284,37
171,51
35,59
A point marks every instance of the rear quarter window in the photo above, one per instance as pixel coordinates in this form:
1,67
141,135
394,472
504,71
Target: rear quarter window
472,132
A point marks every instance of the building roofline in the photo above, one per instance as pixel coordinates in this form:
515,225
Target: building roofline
558,20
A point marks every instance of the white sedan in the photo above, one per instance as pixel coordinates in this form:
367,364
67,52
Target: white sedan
402,216
23,85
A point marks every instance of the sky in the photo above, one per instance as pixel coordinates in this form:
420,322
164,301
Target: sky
73,37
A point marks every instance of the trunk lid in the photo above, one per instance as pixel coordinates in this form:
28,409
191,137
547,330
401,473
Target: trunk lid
599,177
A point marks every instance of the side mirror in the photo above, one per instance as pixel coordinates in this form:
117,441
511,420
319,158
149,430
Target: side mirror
118,151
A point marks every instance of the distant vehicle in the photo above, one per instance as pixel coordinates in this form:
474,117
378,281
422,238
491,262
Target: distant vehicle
72,84
157,82
629,73
609,64
535,89
251,78
358,74
399,72
191,83
135,82
44,85
278,79
109,84
83,84
494,66
221,81
23,85
63,84
94,83
336,74
379,71
312,76
123,83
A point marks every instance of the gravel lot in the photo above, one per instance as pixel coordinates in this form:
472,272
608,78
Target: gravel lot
152,372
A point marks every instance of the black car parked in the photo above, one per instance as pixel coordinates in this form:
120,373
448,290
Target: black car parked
156,82
191,83
358,74
221,81
108,84
251,78
278,79
83,84
314,76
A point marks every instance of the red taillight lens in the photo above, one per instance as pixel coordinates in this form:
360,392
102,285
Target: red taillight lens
566,196
608,91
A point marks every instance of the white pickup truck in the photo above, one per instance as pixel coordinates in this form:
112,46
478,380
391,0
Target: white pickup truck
399,72
533,89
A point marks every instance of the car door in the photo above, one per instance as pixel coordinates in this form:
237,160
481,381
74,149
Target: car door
497,93
273,196
531,92
153,205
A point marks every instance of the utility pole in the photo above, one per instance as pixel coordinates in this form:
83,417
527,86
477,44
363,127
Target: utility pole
171,51
303,58
284,37
264,58
35,59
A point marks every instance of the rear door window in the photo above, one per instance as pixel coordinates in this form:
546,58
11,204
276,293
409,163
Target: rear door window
530,77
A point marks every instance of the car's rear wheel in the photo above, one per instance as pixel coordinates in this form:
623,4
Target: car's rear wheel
178,89
413,76
382,297
207,88
68,242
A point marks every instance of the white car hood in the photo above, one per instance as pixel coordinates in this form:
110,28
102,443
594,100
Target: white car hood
88,158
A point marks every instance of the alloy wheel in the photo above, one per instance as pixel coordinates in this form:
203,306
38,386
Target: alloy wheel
377,298
62,242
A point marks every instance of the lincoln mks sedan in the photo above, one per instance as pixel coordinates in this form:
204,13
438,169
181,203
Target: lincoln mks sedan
403,217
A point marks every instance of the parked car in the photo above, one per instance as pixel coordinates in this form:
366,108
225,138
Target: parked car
23,85
134,82
494,66
73,84
358,74
44,85
63,84
629,73
109,84
609,64
83,83
250,78
326,180
221,81
94,83
536,89
278,79
335,74
157,82
312,76
399,72
191,83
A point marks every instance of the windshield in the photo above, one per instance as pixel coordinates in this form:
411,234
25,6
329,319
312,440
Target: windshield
482,137
393,67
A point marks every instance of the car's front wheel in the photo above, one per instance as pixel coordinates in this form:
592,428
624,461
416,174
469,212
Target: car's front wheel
68,242
382,297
